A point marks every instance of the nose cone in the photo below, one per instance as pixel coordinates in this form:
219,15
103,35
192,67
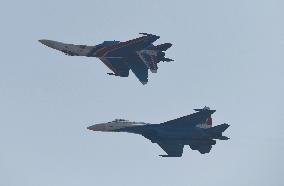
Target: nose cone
97,127
92,127
51,44
89,127
46,42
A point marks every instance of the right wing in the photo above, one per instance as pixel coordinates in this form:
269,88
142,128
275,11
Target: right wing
121,66
138,67
117,65
172,149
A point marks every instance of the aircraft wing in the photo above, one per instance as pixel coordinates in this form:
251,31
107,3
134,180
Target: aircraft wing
172,149
138,67
192,119
124,48
117,65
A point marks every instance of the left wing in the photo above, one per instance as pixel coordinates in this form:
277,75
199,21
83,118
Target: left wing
192,119
172,149
124,48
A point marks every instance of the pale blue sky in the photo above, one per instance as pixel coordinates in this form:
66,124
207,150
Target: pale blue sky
228,55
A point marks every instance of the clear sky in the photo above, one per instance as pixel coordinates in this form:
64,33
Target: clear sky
228,55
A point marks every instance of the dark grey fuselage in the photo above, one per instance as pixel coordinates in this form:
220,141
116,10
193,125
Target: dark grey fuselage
171,136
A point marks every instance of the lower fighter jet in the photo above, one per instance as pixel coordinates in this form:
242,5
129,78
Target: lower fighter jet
194,130
137,55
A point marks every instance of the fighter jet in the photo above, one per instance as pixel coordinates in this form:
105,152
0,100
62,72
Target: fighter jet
195,130
137,55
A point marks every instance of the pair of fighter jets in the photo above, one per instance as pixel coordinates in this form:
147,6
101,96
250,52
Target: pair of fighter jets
139,55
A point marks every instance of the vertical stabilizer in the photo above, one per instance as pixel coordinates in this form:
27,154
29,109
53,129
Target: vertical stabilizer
207,124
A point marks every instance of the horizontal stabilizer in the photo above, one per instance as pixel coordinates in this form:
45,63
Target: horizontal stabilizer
216,131
167,59
164,47
222,138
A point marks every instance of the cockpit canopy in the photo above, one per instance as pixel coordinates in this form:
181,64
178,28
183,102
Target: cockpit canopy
109,43
206,108
120,120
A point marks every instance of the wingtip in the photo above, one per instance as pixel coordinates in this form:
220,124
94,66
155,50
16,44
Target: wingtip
144,82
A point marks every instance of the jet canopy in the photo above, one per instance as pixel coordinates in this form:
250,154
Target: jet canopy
206,108
110,43
203,109
120,120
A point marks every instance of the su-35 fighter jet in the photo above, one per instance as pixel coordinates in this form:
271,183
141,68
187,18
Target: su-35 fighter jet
138,54
194,130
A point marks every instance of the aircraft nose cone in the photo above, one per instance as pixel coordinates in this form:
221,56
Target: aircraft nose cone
90,127
97,127
48,43
41,41
45,42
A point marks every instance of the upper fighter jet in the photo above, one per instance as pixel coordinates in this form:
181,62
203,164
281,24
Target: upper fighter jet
138,54
194,130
